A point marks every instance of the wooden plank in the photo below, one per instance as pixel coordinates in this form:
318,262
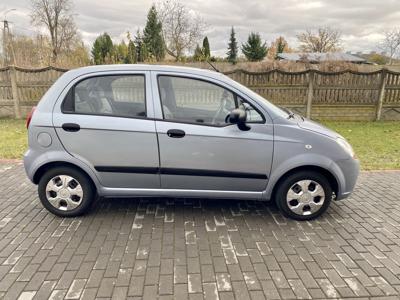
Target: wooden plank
381,95
310,93
14,87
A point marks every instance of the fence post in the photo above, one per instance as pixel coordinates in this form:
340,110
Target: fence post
14,89
310,93
381,94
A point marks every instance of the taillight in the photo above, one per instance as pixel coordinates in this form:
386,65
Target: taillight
29,116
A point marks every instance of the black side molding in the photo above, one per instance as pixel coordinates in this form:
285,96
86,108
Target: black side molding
179,171
139,170
211,173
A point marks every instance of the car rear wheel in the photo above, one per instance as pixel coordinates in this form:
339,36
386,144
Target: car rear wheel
66,192
304,195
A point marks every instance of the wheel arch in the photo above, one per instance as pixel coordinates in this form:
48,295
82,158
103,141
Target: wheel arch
44,168
323,171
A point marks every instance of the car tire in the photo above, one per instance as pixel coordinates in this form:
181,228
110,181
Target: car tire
303,195
66,191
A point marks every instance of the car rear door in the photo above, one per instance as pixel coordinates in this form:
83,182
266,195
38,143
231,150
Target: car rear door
106,120
198,149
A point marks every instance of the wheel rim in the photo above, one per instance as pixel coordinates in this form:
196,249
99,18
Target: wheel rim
305,197
64,192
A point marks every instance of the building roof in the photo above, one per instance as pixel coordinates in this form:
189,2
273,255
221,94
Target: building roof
320,57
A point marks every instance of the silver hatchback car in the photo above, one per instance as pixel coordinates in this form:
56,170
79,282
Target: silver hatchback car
147,130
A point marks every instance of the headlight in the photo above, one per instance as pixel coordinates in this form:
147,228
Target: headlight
346,146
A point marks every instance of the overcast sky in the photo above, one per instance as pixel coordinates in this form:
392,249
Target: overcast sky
361,22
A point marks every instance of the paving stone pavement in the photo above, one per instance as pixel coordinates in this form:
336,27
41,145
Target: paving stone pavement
195,249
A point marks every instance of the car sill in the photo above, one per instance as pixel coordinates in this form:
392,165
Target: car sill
128,192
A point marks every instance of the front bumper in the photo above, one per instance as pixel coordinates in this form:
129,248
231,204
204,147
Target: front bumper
350,169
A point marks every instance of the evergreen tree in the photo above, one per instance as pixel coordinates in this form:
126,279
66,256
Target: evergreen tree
141,48
281,46
121,52
198,54
102,49
254,49
152,35
206,48
131,55
232,48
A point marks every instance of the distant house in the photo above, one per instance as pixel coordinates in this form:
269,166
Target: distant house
316,57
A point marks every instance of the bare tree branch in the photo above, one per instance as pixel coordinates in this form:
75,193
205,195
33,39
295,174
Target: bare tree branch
182,28
325,39
391,43
56,16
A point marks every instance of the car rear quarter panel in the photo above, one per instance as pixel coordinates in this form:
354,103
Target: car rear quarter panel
38,156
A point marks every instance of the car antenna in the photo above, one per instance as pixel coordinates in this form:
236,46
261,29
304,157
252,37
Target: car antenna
215,69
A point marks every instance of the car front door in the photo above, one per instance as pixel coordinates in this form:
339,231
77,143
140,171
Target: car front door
199,150
107,122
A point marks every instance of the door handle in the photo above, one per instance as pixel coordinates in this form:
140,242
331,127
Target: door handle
71,127
176,133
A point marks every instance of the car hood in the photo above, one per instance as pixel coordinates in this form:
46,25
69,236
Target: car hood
316,127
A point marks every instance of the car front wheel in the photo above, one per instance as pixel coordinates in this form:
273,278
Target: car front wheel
304,195
65,191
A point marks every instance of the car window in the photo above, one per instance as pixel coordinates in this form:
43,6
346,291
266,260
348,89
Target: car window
116,95
197,101
252,115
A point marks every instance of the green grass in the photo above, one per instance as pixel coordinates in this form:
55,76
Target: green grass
377,144
13,138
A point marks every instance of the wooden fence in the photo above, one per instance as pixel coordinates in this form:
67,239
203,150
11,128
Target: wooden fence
346,95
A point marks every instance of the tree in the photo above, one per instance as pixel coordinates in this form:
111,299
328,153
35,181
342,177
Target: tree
206,48
36,51
131,55
102,49
254,49
152,35
391,43
182,28
198,54
325,39
232,48
378,59
56,16
141,48
120,52
280,45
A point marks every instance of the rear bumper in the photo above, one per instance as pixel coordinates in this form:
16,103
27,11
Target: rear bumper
350,169
28,160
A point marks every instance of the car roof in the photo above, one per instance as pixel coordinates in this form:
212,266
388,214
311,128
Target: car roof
143,67
46,104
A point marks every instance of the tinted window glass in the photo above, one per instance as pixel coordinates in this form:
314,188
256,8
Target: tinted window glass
120,95
197,101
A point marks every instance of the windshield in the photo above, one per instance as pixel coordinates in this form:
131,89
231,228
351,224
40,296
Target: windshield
271,107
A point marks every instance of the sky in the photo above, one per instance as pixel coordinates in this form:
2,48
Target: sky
361,22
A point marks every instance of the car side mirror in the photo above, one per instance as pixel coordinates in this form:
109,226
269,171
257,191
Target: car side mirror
238,116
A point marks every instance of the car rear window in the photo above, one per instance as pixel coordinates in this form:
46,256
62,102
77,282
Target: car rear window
113,95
